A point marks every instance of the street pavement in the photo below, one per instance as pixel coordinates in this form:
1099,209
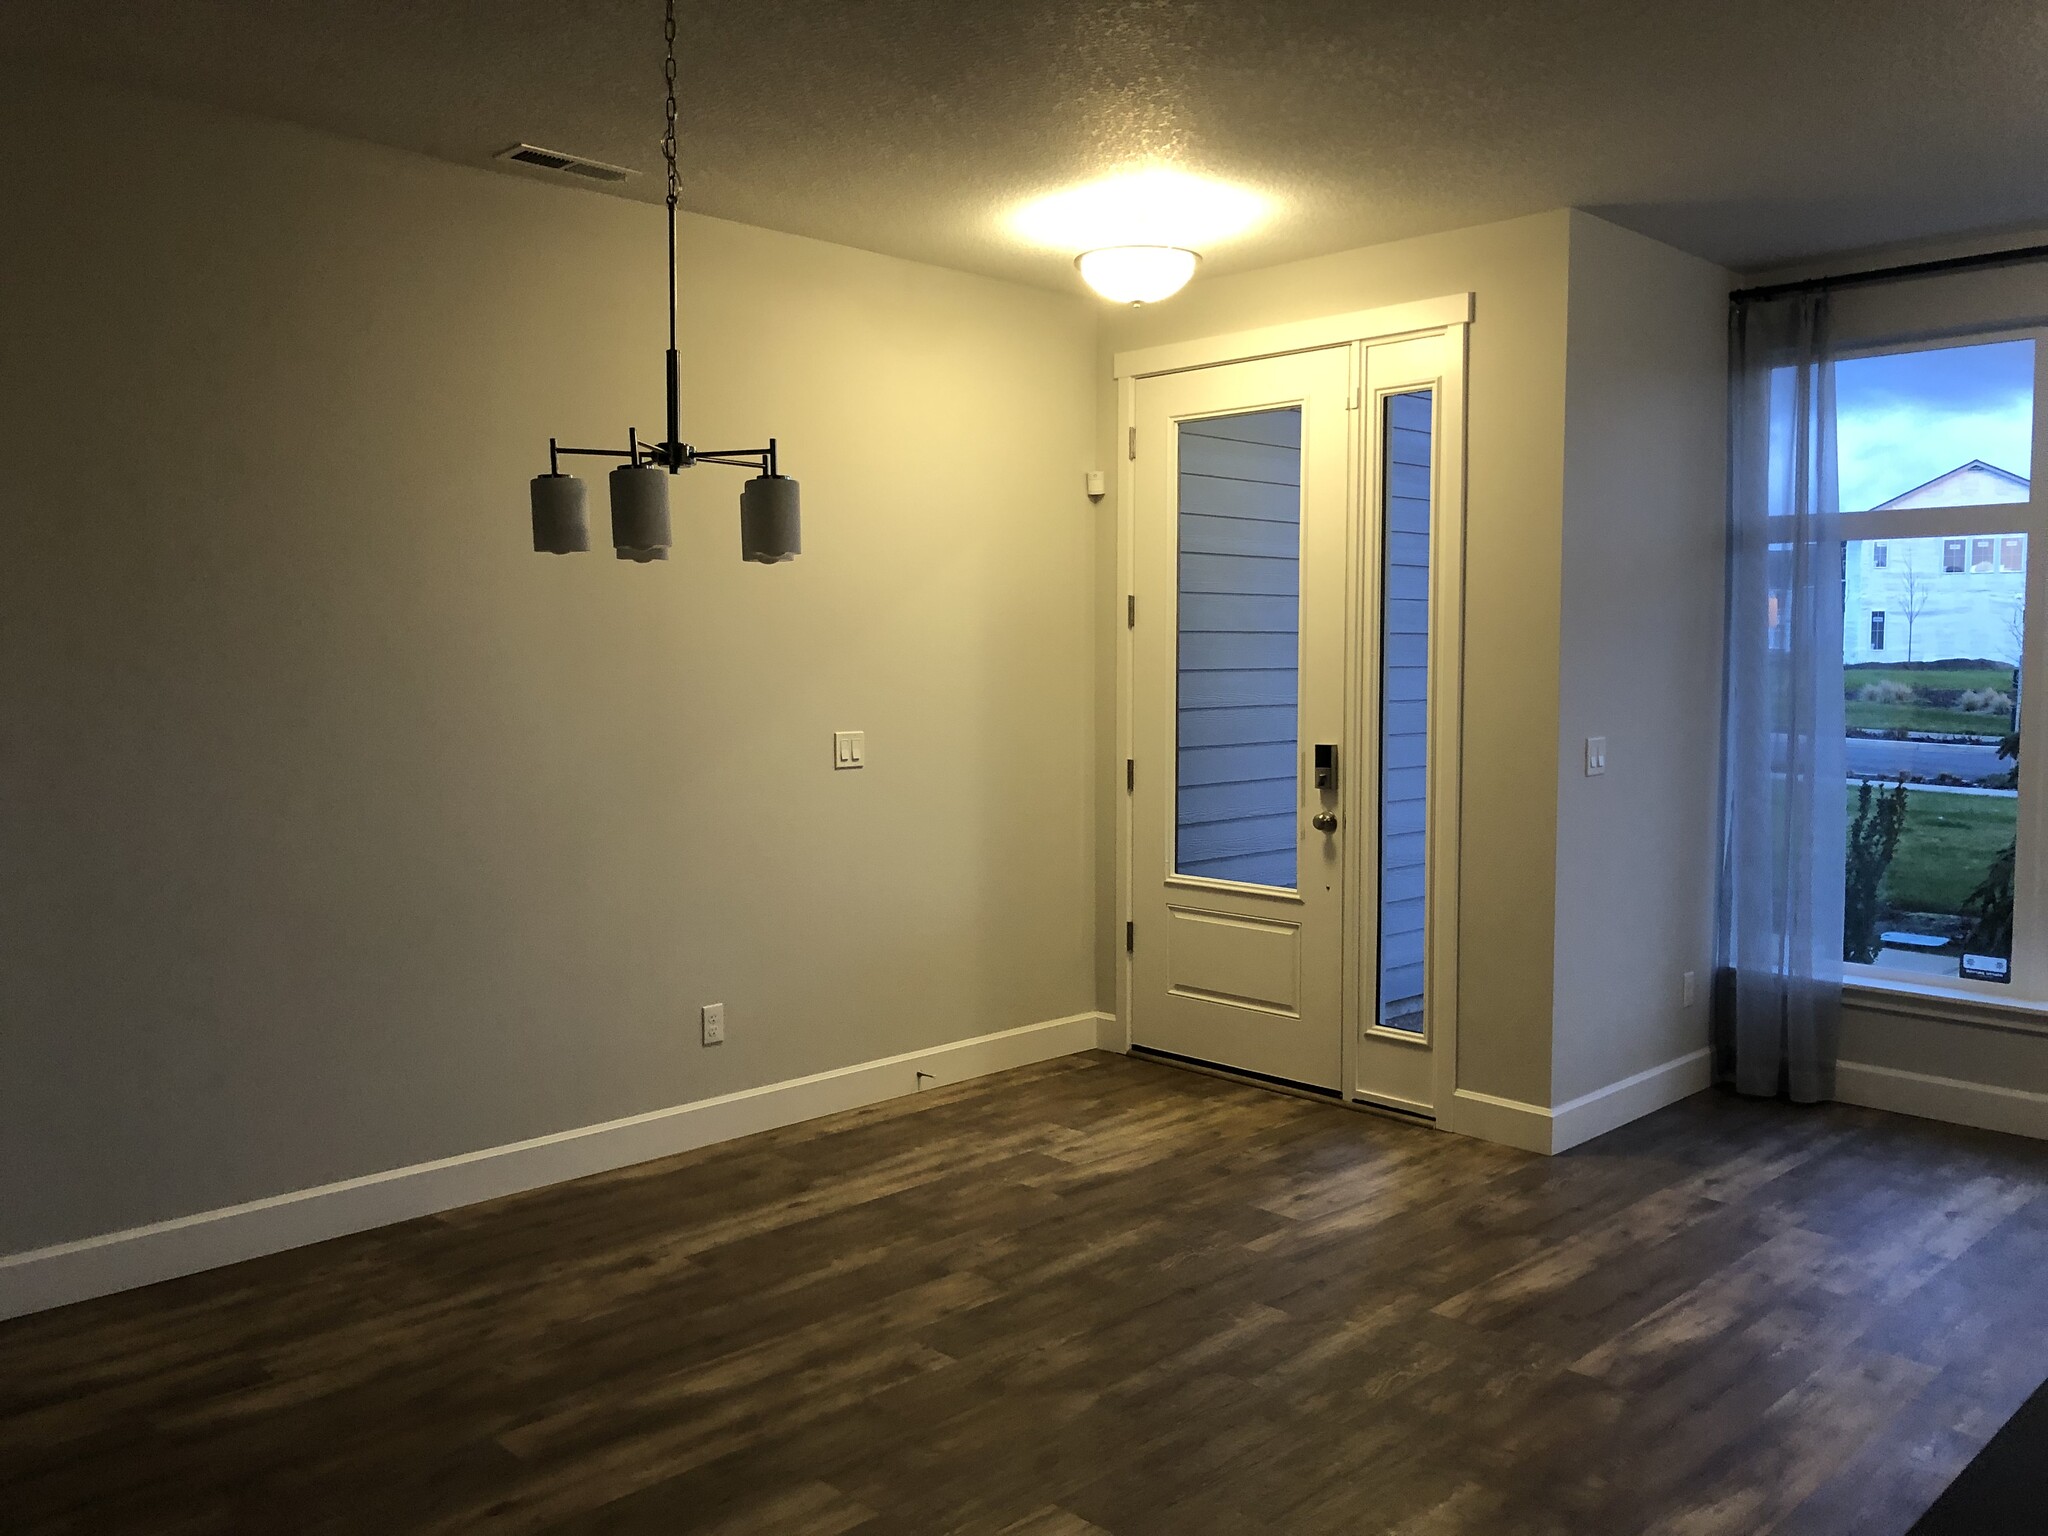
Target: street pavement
1874,758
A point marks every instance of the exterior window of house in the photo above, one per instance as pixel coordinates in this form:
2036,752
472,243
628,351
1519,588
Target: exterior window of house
1936,453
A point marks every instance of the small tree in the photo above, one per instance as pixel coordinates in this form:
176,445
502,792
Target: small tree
1913,588
1989,907
1873,839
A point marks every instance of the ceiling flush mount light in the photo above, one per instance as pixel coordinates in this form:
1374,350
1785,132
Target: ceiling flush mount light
1137,274
769,522
1139,231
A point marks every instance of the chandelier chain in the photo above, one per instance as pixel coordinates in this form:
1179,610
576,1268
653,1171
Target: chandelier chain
668,138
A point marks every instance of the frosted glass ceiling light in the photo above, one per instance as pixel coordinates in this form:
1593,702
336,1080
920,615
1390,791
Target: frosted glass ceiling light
1137,274
561,525
640,526
639,487
768,520
1139,231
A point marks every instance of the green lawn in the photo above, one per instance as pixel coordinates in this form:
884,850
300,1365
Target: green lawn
1948,843
1922,717
1998,676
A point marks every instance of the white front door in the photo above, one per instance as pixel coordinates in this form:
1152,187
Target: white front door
1238,677
1293,755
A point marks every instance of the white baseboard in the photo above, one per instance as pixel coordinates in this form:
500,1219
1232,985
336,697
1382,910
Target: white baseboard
2013,1110
1540,1128
1511,1122
117,1261
1604,1109
1112,1034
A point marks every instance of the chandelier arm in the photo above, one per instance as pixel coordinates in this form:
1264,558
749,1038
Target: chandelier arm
596,453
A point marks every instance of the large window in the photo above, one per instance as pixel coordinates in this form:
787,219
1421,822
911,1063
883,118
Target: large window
1935,449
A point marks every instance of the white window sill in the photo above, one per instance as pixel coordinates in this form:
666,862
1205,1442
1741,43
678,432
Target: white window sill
1947,1004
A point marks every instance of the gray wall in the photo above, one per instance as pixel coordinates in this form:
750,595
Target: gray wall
341,831
1640,653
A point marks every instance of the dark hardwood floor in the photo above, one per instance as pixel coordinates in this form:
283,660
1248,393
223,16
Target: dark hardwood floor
1098,1295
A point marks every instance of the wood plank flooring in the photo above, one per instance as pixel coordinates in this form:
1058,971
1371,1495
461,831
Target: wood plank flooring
1095,1296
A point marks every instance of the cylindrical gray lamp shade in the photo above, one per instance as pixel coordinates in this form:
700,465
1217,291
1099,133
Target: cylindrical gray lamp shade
640,528
561,525
770,529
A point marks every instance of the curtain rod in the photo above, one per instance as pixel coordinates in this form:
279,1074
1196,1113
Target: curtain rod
2009,258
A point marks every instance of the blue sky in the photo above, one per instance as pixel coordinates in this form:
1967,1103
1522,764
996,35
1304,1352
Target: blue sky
1905,417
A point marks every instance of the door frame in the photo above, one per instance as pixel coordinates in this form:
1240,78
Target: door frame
1449,317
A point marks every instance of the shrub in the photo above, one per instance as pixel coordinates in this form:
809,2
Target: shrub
1873,839
1985,701
1884,691
1989,907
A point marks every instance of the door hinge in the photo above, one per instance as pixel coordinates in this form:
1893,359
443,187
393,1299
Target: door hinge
1356,389
1133,443
1130,775
1130,938
1131,611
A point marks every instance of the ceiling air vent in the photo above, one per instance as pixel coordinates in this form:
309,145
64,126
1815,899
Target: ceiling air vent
568,165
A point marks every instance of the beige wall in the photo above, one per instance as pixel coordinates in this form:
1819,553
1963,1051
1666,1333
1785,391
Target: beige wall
341,831
1640,653
1516,426
1928,1045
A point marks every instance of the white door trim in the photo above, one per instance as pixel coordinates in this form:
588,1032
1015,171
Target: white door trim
1449,315
1386,323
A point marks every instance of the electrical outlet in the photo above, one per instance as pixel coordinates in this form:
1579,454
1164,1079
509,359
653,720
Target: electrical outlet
712,1016
1691,987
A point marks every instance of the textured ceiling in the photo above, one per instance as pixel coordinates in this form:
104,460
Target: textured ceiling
1753,132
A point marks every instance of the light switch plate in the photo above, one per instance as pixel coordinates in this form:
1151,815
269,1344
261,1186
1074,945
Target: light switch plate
849,749
1596,755
712,1016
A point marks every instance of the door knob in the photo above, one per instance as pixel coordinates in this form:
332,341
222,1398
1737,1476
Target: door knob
1324,821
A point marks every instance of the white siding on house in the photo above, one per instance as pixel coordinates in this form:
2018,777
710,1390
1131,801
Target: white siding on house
1239,521
1932,613
1404,712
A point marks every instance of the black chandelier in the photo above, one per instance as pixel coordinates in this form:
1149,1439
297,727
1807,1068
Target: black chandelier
639,487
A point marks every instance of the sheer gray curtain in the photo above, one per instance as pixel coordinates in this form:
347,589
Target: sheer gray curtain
1779,983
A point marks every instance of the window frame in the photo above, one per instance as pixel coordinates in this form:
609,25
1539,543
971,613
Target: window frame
2028,986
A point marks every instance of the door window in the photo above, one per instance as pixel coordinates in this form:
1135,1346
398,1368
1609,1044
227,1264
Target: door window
1404,711
1237,754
